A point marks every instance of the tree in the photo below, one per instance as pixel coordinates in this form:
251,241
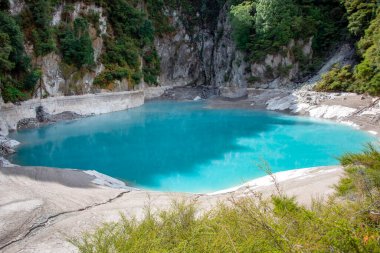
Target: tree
368,71
5,50
242,22
76,45
274,20
360,13
15,37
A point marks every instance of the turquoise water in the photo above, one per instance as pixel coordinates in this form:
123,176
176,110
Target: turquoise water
183,146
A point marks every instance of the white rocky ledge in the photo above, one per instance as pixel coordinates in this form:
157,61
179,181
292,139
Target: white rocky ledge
90,104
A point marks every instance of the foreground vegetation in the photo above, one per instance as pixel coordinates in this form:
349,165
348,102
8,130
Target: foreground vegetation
347,222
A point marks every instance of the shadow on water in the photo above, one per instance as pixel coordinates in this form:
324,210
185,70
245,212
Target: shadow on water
138,145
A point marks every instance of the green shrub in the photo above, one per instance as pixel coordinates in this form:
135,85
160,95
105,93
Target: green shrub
337,79
360,13
14,63
242,23
76,44
12,36
32,79
35,20
367,72
5,50
363,171
12,94
151,66
112,73
122,52
156,13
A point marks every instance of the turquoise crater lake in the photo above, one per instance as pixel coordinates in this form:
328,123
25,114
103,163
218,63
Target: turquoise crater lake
186,147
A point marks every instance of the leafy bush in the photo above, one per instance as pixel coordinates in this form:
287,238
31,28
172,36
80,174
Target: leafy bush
36,21
10,93
5,50
242,22
14,63
12,37
161,22
133,32
76,44
360,13
151,67
113,72
122,52
32,79
367,72
363,173
337,79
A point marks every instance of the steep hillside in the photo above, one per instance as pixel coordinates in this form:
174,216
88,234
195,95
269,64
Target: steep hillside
54,47
364,25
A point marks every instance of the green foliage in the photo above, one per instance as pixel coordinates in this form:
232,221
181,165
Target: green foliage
14,64
122,52
156,13
129,21
10,92
32,79
5,51
242,22
13,37
367,72
363,172
133,35
113,72
365,78
264,27
36,22
274,21
151,67
337,79
246,225
360,13
76,45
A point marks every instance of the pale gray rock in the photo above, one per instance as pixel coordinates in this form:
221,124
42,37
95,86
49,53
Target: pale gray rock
16,6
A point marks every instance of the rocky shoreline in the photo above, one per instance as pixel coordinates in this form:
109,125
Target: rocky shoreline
358,111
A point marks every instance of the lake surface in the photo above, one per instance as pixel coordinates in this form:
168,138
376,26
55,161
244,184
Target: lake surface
184,146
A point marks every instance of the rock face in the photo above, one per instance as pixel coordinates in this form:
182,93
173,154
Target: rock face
212,59
205,57
7,145
29,113
60,79
278,70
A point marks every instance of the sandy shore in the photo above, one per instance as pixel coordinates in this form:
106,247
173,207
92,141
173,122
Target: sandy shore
44,207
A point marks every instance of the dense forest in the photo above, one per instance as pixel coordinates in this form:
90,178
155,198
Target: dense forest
259,27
